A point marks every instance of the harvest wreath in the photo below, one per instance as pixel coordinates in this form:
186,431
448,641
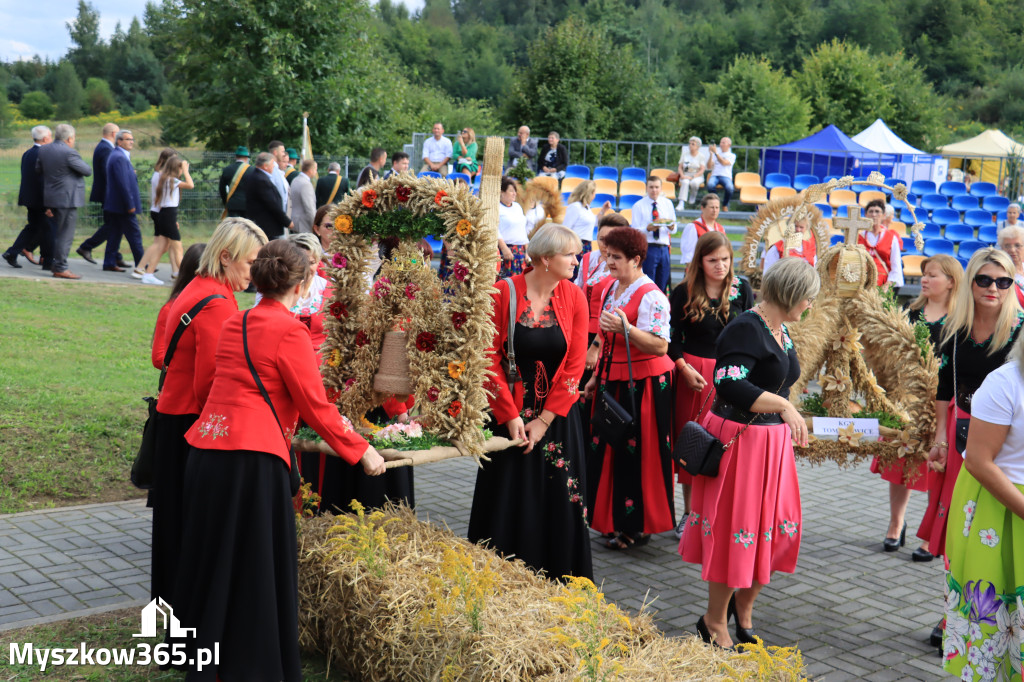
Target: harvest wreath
448,330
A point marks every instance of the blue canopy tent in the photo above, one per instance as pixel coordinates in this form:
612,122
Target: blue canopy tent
827,152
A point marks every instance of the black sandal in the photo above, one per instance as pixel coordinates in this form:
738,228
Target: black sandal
624,541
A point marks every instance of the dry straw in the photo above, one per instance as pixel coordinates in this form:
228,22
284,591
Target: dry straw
388,597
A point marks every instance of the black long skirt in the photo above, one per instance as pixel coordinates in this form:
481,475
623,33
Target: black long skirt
171,457
238,581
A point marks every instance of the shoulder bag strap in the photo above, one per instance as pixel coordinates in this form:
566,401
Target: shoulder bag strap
256,377
186,320
629,360
956,407
510,349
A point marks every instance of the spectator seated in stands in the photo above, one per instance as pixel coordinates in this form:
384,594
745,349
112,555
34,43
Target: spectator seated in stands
553,157
1011,240
523,149
1012,217
437,152
693,162
466,153
720,163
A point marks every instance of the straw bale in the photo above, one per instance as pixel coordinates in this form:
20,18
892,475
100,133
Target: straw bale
389,629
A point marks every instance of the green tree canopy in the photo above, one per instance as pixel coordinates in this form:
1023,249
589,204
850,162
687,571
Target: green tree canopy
88,52
37,105
68,93
98,97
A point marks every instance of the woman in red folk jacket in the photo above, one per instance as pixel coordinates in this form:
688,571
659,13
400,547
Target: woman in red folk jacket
238,579
223,270
186,273
530,500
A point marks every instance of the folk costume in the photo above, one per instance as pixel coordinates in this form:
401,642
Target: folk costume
806,249
886,253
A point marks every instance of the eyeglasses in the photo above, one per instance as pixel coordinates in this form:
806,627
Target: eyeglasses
984,281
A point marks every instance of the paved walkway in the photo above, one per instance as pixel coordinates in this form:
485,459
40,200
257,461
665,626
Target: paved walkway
856,612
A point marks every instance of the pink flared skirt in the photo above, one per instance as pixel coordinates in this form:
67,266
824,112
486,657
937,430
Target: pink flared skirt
940,491
689,402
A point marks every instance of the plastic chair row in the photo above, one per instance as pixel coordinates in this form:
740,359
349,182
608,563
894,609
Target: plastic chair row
582,172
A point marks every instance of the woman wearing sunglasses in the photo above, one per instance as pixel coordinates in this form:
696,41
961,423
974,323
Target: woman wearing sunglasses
981,328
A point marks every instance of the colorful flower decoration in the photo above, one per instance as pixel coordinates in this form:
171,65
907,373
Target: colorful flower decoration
463,227
455,369
361,339
425,342
460,271
459,319
411,290
332,395
433,393
454,408
402,193
381,288
338,310
439,197
369,198
335,358
339,261
349,383
343,224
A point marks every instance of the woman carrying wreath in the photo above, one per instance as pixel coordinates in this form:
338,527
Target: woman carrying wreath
985,542
745,523
807,248
530,500
940,281
238,583
635,494
884,246
223,270
702,304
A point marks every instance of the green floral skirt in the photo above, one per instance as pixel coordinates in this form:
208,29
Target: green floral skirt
984,586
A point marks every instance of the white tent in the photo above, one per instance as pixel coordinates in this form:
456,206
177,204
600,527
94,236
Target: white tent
913,164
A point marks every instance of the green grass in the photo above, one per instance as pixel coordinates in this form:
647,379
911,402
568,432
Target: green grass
114,630
75,369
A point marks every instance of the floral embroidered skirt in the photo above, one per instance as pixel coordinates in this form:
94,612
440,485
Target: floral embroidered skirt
984,586
634,490
746,522
940,492
517,264
688,403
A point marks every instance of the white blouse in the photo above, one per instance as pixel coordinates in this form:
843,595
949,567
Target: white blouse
534,216
581,220
652,315
512,224
170,200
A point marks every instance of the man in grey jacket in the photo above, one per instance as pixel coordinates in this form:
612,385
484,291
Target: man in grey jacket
64,174
303,196
523,149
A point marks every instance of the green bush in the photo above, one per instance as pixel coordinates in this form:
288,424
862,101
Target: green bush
36,105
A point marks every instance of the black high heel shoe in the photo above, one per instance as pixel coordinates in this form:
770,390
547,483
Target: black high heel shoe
893,544
743,635
705,634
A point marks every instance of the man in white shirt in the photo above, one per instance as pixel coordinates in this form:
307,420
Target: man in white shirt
437,152
303,197
655,216
277,149
720,163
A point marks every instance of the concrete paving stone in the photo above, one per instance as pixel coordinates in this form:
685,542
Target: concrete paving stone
10,581
887,675
11,566
9,614
69,603
8,598
117,564
60,573
82,541
90,597
95,582
41,596
130,574
137,590
25,591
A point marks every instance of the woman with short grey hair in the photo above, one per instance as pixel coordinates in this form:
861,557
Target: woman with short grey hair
1011,240
745,523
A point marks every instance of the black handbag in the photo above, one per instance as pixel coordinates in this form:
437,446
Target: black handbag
294,479
508,363
611,421
142,467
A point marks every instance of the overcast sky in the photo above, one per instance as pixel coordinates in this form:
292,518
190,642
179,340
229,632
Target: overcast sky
31,28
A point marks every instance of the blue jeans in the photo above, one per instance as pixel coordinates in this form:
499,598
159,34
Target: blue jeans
716,181
657,264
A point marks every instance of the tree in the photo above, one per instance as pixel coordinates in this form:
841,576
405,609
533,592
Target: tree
36,105
68,94
98,97
136,76
5,117
174,119
88,53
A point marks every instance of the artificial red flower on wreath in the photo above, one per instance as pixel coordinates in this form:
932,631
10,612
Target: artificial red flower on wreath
369,198
459,319
455,408
460,271
433,393
332,395
361,339
410,290
439,197
339,261
425,342
338,310
402,193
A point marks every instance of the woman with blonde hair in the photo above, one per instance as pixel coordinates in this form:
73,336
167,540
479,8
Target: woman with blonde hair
466,153
702,304
940,281
578,216
980,329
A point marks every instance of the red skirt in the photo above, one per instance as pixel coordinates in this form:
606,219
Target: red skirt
940,490
688,403
894,474
746,523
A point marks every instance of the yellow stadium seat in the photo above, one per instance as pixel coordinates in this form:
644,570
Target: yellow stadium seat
607,187
569,184
869,195
747,180
627,213
901,228
754,195
781,192
668,189
840,197
662,172
912,266
633,187
827,221
546,181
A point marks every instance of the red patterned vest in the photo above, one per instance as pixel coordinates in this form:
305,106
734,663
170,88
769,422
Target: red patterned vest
644,364
703,227
881,252
808,254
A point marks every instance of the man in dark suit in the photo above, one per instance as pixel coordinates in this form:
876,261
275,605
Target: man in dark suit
232,184
99,193
122,203
64,174
331,187
263,201
30,195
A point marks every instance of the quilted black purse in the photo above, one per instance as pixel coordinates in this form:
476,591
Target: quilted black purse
611,422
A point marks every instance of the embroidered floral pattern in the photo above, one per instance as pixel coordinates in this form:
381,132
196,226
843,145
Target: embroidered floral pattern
659,318
733,372
768,535
214,427
989,537
662,382
693,519
745,538
705,527
529,319
787,343
572,386
969,510
734,289
630,507
631,446
788,527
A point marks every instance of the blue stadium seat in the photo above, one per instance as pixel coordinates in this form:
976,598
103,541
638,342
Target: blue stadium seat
428,174
968,247
836,238
920,187
952,188
475,190
829,177
900,204
577,171
802,182
963,262
777,180
826,210
930,202
565,196
600,198
988,233
843,211
627,200
1001,216
435,244
978,217
606,173
933,247
931,231
958,232
983,189
909,247
995,203
634,173
452,177
945,216
964,202
906,216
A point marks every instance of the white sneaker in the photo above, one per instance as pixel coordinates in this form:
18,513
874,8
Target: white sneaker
682,526
137,274
151,279
681,206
